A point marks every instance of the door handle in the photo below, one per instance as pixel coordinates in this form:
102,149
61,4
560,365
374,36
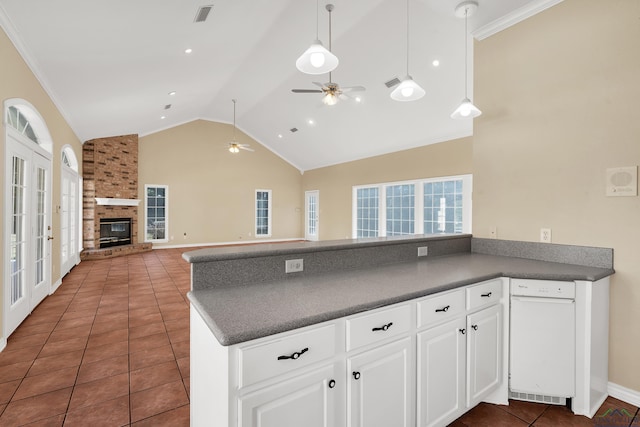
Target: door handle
49,237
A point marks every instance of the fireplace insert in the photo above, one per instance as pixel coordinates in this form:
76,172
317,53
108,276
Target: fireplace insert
115,232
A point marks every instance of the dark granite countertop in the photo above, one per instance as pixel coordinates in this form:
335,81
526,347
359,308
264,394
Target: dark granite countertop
241,313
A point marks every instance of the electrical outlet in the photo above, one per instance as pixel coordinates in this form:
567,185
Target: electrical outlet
545,235
423,251
493,232
293,265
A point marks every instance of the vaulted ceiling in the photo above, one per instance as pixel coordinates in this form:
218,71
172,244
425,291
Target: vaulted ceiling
110,67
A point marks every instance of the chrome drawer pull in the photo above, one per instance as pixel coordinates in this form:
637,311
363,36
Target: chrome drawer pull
487,295
383,327
442,310
295,355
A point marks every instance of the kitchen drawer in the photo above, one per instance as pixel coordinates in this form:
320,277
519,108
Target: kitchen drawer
440,307
378,325
283,354
484,294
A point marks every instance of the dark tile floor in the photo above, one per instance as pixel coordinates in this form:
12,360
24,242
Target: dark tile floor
111,348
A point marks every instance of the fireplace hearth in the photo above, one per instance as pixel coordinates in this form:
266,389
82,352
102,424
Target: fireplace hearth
115,232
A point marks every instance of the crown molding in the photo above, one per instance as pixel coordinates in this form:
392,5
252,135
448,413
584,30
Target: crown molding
513,18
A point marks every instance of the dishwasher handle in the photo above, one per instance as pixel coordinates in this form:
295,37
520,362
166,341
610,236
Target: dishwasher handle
546,300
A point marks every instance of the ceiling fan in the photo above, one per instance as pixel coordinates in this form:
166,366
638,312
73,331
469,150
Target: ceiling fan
331,90
233,146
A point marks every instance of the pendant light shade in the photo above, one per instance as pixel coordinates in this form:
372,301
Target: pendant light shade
466,109
318,59
408,89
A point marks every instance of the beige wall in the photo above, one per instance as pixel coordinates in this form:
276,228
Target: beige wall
211,191
19,82
335,183
560,93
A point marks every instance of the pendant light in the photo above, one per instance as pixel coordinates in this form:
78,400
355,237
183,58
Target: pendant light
466,109
408,89
317,59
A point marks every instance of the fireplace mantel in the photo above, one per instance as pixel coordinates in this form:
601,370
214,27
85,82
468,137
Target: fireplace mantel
109,201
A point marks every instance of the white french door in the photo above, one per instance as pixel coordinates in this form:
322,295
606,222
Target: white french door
311,214
69,209
27,231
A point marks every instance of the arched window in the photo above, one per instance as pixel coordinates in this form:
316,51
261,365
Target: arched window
19,122
23,118
69,158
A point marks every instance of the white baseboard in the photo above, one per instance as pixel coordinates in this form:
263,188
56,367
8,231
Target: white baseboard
55,286
3,343
624,394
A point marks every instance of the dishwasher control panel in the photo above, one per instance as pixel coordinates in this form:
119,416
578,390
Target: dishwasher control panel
543,288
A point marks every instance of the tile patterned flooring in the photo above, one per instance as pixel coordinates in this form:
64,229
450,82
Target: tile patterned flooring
111,348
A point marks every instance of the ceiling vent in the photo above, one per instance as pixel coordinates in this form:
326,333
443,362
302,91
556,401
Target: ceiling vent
293,130
203,13
391,83
166,107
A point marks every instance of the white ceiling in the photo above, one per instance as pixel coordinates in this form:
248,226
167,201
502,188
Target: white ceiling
110,65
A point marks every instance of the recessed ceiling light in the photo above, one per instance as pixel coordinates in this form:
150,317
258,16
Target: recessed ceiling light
436,63
311,121
163,117
358,99
187,51
280,135
173,92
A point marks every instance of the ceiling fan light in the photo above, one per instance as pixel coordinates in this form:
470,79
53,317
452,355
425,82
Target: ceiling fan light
317,60
330,99
407,90
466,110
233,148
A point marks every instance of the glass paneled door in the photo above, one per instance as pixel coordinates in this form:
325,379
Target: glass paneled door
28,232
311,214
69,220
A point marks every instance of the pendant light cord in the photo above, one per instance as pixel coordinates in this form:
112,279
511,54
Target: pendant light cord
317,20
330,38
466,42
407,37
234,120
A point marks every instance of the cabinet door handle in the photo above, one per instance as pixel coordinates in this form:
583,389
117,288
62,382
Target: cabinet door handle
295,355
487,295
356,375
443,309
463,331
332,383
383,327
474,327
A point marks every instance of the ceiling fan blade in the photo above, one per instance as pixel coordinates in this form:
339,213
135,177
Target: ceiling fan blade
353,89
306,91
245,147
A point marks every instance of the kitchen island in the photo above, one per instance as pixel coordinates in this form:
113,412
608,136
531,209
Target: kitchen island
242,299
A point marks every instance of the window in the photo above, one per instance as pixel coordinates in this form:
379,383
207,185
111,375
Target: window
157,204
19,122
426,206
367,212
263,213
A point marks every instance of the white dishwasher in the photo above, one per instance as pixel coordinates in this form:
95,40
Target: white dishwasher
542,342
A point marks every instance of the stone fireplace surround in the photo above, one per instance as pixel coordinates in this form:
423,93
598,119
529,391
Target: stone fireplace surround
110,174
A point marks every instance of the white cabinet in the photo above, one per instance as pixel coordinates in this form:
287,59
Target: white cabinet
484,353
460,362
380,386
309,400
442,373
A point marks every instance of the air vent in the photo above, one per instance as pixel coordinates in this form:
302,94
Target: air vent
391,83
293,130
166,107
203,13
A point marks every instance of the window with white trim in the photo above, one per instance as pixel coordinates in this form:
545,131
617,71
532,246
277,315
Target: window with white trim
425,206
263,213
156,213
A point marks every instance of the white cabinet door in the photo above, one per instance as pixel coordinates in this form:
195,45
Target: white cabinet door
441,373
484,353
379,386
309,400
